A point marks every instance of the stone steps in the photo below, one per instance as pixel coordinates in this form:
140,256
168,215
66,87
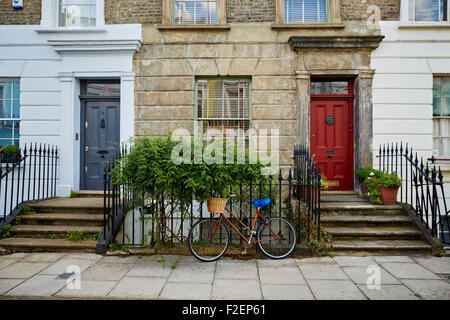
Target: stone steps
44,230
365,220
360,227
381,247
374,233
48,225
63,219
47,245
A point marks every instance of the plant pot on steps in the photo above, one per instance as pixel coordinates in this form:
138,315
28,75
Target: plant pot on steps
217,205
388,195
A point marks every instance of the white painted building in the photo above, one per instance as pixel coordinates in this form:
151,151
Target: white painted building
411,86
68,70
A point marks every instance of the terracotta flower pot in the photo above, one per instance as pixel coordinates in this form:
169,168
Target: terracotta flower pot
389,195
216,205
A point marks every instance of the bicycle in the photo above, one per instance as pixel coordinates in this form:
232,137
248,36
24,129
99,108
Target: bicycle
209,238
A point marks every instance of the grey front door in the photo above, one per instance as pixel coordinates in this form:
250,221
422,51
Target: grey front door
100,141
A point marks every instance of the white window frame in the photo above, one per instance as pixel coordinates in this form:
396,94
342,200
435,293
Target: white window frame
12,118
50,15
327,14
405,16
438,118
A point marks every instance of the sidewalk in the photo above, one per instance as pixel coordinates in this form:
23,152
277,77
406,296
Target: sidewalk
183,277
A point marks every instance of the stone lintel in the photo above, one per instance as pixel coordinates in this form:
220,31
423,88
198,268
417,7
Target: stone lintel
338,42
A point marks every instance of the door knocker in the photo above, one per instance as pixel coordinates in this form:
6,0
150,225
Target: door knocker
329,120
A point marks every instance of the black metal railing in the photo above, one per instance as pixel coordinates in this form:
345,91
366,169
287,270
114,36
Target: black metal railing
309,180
133,218
422,188
30,176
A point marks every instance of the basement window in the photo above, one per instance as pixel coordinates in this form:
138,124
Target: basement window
9,112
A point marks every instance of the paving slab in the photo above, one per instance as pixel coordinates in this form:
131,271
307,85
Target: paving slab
8,284
335,290
236,269
408,271
354,261
19,270
360,275
38,286
6,262
84,256
325,271
150,269
63,265
44,257
236,289
89,288
106,271
435,264
138,288
381,259
286,292
186,291
118,259
288,262
281,275
193,272
320,260
389,292
430,289
15,256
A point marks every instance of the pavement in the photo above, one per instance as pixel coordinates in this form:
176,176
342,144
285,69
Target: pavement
81,276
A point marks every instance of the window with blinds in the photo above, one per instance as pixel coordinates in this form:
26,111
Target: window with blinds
224,104
441,116
195,12
305,11
429,10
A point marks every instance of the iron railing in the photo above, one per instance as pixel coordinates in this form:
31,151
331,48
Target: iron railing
132,218
31,176
309,180
422,188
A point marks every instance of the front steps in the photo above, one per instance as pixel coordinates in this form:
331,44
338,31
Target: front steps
360,227
61,224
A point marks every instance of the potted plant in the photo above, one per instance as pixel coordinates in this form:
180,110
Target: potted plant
389,183
363,174
9,153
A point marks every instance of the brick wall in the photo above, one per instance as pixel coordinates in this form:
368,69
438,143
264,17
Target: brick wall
31,13
357,9
134,11
250,10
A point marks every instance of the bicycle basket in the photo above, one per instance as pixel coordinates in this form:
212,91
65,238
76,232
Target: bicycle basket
217,205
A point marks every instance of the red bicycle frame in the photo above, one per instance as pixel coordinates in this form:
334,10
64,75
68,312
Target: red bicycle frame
249,240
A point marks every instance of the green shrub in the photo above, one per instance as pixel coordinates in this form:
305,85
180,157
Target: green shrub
9,149
364,173
149,166
390,180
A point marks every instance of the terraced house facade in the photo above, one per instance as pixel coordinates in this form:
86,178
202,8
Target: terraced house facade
88,74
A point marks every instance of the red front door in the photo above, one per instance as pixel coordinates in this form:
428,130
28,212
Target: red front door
332,139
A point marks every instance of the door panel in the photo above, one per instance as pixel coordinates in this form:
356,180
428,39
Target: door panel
101,141
332,140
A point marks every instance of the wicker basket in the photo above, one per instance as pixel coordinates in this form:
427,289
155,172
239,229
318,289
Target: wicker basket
217,205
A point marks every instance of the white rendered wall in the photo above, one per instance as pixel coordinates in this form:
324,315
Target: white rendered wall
405,63
50,62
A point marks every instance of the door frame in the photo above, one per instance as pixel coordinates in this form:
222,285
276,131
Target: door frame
83,103
350,97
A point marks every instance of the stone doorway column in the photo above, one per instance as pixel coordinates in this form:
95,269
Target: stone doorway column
303,81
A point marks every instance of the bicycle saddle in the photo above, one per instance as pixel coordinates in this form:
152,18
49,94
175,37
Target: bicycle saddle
261,203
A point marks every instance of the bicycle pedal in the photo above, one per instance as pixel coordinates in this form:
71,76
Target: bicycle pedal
244,252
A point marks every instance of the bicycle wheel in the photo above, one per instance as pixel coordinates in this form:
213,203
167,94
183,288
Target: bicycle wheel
208,240
267,242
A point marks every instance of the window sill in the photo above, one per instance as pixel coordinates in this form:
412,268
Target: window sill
423,24
187,27
70,29
287,26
